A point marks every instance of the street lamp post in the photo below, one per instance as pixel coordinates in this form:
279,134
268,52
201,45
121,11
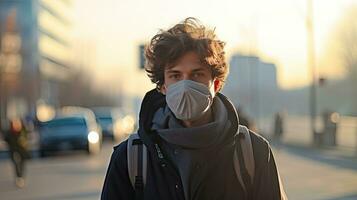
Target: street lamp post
311,64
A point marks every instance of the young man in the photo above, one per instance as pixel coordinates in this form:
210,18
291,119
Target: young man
190,130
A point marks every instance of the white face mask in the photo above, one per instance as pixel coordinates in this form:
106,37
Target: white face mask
189,100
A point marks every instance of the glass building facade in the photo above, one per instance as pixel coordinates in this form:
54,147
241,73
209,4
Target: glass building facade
35,54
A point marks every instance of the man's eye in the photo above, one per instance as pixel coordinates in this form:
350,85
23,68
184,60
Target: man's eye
197,75
174,76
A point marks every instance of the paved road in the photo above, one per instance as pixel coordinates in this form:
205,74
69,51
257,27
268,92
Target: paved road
308,174
66,176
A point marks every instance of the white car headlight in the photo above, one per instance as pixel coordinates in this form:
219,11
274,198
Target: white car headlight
93,137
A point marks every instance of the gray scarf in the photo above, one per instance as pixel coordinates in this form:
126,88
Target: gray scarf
190,148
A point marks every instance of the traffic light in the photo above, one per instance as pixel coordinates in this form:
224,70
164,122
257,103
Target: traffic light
322,81
142,56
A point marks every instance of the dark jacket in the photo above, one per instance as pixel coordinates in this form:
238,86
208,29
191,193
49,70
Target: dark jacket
163,180
18,141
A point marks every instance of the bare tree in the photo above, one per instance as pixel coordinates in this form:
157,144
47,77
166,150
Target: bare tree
343,46
347,34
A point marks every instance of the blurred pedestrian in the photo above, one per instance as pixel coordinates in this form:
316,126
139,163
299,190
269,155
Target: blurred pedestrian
189,132
278,128
243,118
17,140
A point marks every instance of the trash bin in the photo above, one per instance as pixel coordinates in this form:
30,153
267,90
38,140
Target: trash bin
318,139
331,120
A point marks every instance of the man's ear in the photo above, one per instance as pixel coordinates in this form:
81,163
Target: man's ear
163,89
217,85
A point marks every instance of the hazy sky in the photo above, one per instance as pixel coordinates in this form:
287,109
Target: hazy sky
275,29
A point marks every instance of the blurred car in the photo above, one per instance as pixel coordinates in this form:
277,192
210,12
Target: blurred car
115,123
106,118
88,113
69,133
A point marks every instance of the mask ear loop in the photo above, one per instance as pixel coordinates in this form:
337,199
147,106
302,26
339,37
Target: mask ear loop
212,92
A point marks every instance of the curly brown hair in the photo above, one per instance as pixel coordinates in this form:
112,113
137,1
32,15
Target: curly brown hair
166,47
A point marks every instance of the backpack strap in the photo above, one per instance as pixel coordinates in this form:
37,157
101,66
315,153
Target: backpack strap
245,168
247,150
137,164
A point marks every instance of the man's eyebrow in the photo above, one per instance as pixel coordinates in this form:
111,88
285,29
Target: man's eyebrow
172,71
199,69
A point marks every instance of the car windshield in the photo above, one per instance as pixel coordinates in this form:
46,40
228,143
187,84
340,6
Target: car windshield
105,120
67,122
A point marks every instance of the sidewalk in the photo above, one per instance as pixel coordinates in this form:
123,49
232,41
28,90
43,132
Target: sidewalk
297,132
316,174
